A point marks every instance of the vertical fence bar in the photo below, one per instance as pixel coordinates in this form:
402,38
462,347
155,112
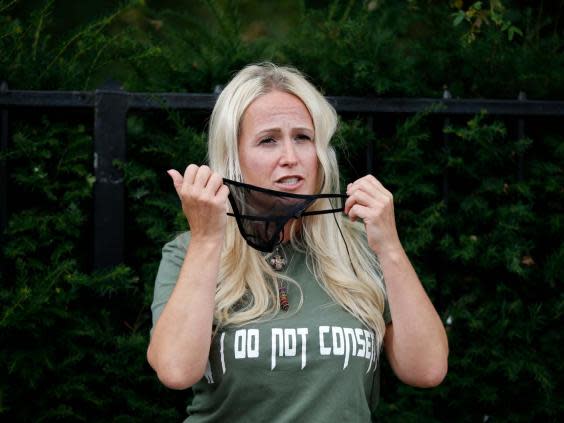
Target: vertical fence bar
109,146
446,149
521,134
4,134
370,147
443,263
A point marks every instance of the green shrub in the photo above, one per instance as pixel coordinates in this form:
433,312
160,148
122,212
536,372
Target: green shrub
479,209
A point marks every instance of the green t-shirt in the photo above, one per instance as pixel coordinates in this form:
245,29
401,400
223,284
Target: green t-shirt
315,364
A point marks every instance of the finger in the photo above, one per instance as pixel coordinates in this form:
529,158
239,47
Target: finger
363,183
365,177
177,179
371,180
362,198
190,174
201,180
351,201
223,194
214,184
358,212
366,200
370,186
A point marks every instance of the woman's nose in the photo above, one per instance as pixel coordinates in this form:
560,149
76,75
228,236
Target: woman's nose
289,154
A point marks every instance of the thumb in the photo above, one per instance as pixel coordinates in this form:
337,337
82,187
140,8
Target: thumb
176,179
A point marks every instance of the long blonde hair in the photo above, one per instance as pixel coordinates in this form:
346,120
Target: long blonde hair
247,288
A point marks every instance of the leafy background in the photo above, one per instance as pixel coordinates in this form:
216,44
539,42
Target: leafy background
479,208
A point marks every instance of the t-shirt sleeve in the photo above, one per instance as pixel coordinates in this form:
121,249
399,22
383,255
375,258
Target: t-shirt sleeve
172,258
387,314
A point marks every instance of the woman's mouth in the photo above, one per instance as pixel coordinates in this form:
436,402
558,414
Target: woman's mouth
289,183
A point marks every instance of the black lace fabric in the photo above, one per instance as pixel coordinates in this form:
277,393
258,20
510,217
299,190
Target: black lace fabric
262,213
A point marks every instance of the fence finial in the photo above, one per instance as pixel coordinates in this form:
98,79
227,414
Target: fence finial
446,93
522,96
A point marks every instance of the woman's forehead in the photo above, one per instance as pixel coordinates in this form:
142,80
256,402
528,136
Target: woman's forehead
271,110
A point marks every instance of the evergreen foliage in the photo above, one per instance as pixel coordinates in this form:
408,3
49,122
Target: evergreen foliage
479,210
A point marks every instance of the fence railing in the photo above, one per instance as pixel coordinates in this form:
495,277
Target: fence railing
111,105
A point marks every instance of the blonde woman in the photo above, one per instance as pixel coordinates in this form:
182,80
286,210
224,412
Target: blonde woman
275,306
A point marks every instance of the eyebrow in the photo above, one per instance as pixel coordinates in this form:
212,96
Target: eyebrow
277,130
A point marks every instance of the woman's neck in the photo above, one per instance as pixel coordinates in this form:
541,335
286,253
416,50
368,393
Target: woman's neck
296,232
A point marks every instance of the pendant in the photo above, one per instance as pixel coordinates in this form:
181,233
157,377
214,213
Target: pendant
277,259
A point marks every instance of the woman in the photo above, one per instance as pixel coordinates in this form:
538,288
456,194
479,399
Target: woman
292,335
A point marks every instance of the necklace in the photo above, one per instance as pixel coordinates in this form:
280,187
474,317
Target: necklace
278,261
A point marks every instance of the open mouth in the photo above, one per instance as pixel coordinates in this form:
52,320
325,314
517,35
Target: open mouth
289,180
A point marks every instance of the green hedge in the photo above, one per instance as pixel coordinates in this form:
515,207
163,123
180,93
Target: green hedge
491,256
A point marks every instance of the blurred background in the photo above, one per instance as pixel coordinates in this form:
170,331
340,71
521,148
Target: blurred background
479,197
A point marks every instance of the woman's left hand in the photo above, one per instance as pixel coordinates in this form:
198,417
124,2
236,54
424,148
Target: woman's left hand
418,354
374,204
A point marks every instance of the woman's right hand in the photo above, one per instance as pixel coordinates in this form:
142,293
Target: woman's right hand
204,201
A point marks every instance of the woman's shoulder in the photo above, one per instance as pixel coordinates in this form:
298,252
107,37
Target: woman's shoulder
179,242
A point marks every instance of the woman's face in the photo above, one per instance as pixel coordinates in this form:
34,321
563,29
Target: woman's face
276,144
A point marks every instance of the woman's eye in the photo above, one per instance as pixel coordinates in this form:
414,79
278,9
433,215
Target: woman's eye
268,140
303,137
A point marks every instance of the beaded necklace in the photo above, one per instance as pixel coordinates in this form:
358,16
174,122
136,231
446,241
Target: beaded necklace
279,261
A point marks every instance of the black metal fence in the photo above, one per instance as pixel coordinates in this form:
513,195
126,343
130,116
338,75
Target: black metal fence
111,105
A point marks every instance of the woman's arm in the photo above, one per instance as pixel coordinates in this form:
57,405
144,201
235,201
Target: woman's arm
181,338
415,343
